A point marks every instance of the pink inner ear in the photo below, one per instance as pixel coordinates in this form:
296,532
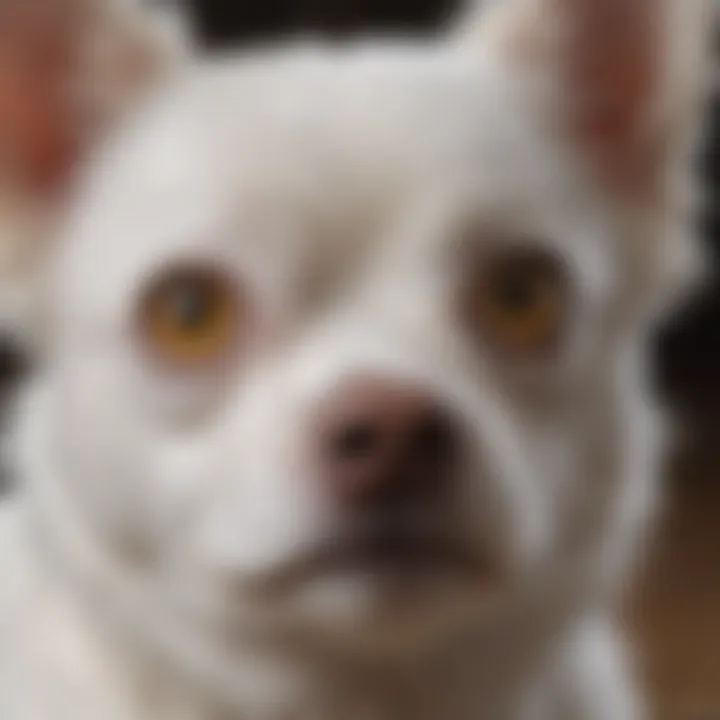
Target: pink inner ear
607,56
613,61
38,142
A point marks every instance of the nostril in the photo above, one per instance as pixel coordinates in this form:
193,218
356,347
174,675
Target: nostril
356,441
432,438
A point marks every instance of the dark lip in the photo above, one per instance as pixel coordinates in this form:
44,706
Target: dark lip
390,555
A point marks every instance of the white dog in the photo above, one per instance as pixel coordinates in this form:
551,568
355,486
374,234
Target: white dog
342,412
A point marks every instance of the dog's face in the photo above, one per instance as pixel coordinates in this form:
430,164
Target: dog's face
339,336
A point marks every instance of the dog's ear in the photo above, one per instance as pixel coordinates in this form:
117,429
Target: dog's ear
130,49
37,140
622,75
68,68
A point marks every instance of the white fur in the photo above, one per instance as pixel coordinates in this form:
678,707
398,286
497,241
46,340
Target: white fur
339,186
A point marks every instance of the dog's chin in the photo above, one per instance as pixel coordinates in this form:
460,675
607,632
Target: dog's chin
374,616
386,603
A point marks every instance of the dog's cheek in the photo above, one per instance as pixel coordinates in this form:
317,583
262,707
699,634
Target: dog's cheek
99,452
505,500
250,502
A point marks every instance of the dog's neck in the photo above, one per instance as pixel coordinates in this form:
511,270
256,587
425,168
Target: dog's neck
162,671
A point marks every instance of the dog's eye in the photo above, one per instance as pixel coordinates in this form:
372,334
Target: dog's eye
518,301
191,316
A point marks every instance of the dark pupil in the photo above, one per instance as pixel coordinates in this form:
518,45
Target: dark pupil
516,291
190,307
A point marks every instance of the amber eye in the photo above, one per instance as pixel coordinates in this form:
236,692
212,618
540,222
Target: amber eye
191,316
518,301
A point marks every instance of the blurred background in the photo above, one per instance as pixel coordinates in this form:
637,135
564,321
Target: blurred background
673,611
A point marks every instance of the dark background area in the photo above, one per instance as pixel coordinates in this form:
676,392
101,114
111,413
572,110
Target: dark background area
223,22
687,349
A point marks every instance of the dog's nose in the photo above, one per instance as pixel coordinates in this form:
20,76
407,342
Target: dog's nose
384,443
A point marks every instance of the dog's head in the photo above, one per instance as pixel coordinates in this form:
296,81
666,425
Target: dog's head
340,335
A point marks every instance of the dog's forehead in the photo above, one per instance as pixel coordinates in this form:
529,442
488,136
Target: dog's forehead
278,160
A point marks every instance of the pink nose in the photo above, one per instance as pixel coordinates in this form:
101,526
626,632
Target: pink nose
384,443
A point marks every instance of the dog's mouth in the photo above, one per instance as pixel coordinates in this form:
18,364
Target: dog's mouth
390,556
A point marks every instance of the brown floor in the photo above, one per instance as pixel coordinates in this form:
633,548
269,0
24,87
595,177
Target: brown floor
675,613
